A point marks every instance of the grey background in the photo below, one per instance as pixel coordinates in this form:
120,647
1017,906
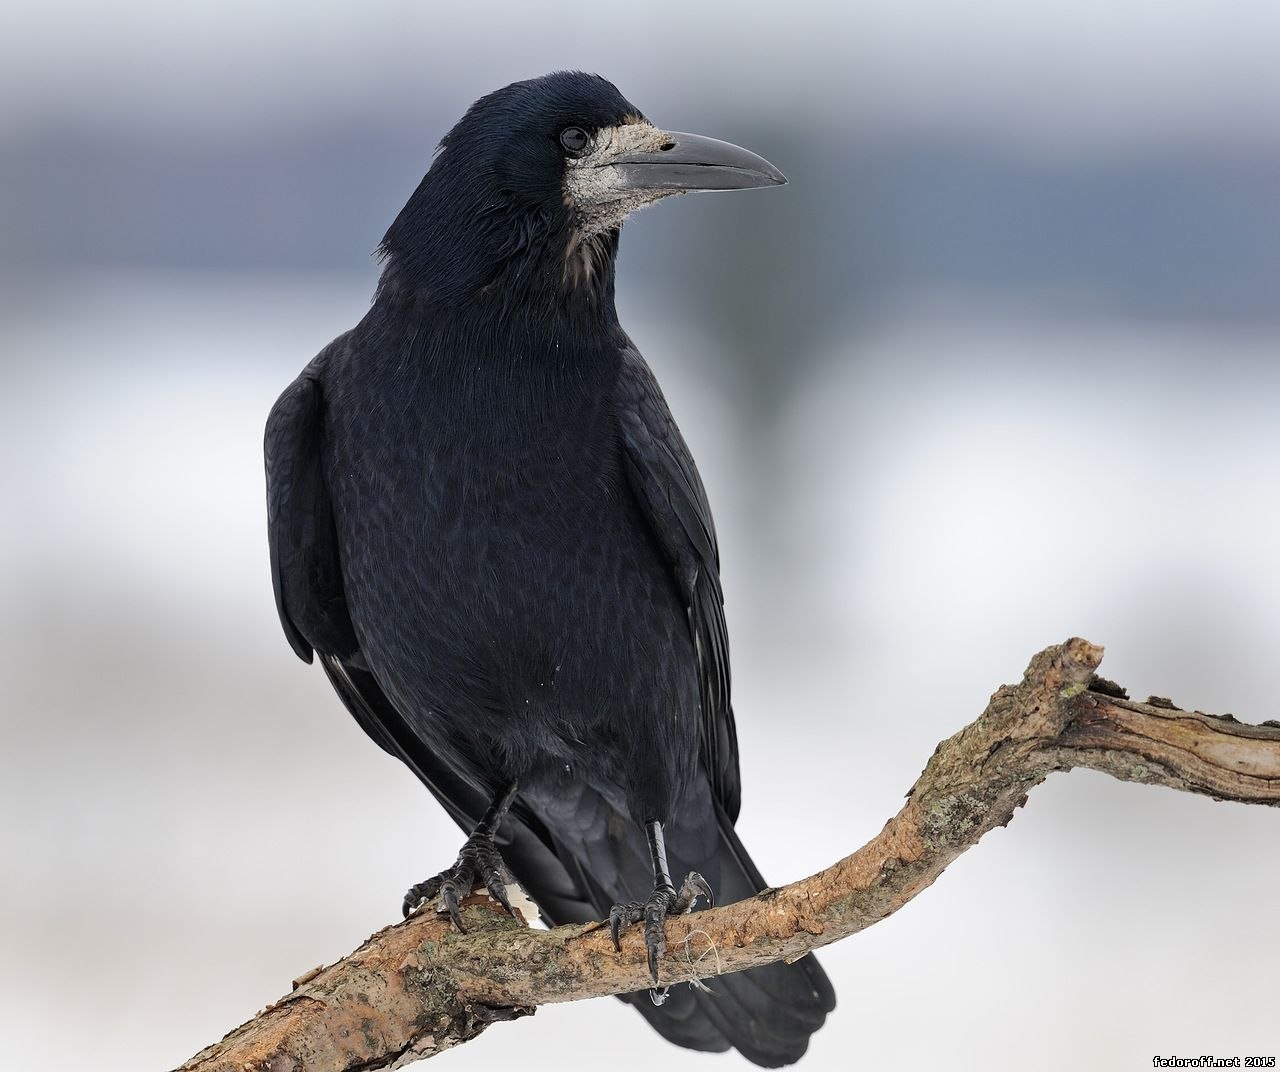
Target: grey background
999,366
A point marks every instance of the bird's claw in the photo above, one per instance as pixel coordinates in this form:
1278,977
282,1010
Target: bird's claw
479,862
420,893
693,887
664,901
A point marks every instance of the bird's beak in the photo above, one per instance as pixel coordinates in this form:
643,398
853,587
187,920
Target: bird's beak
692,162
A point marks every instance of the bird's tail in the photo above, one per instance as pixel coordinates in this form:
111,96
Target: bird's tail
767,1014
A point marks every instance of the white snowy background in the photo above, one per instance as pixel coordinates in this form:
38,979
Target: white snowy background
1000,366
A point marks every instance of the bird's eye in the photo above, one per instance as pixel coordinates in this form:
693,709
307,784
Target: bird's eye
574,140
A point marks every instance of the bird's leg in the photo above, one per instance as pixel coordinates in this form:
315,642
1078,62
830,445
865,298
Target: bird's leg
665,900
479,861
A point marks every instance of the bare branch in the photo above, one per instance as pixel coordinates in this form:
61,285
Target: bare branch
419,987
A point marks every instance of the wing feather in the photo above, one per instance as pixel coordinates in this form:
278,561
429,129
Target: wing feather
305,569
666,483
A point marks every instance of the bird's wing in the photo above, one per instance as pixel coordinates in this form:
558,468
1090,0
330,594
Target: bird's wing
666,482
305,568
307,573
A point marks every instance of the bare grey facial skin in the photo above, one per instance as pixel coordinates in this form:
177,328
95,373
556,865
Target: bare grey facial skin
631,165
595,186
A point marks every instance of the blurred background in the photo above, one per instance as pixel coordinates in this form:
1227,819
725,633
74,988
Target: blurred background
998,367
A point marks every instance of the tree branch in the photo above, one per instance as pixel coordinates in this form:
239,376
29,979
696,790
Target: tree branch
419,987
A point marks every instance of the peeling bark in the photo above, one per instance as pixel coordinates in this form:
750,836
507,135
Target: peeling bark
420,987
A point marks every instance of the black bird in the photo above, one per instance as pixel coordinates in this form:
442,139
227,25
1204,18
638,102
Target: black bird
485,521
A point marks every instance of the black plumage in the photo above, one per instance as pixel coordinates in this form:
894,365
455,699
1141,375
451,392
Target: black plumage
483,518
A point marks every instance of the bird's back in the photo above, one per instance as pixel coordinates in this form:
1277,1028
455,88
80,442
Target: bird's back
498,570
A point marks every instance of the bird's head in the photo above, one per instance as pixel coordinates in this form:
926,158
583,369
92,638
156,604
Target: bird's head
530,188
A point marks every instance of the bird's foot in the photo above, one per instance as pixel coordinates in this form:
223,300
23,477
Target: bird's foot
479,863
664,901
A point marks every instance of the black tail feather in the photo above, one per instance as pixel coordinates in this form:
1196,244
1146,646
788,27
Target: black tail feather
767,1014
